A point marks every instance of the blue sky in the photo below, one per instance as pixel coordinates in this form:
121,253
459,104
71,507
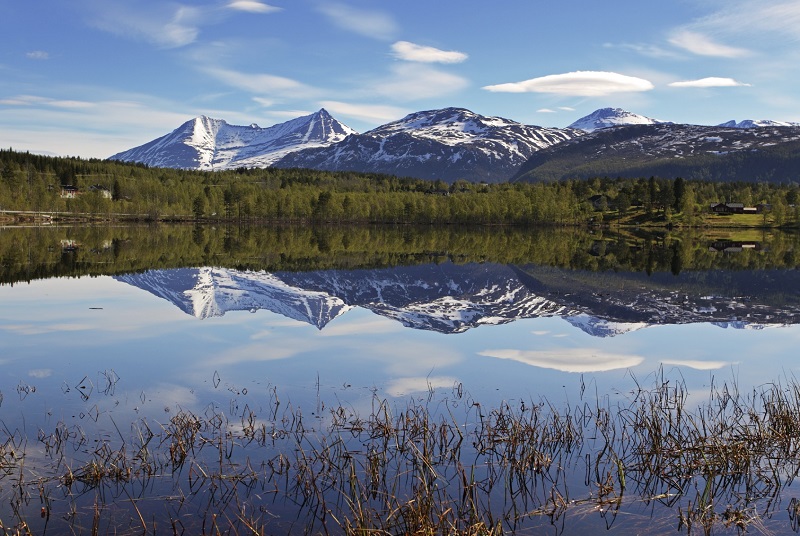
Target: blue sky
94,77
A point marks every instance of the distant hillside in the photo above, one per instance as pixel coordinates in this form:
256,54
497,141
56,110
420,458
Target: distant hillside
668,150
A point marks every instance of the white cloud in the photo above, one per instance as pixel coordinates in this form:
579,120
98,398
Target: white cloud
375,24
251,6
407,51
40,373
566,108
569,360
545,111
702,45
375,113
711,81
38,55
579,83
412,81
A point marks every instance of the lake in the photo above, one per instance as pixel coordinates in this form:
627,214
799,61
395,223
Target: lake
332,380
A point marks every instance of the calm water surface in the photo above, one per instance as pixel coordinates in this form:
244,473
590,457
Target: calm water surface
106,333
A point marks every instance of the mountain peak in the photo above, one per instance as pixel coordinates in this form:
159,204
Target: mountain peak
611,117
206,143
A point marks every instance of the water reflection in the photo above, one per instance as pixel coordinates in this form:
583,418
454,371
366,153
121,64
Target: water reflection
548,360
450,298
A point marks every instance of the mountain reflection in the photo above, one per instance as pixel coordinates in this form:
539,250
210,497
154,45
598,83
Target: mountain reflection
453,298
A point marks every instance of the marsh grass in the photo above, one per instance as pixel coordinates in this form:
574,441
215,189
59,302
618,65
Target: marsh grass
440,465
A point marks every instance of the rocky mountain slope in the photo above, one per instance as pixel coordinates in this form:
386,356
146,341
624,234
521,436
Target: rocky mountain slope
212,144
672,150
447,144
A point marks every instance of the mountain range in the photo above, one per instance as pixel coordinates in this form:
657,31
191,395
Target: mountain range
454,143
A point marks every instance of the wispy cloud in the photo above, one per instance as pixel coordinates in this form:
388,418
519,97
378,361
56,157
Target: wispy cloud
110,123
261,83
764,19
545,111
643,49
413,81
374,113
265,102
164,26
34,100
579,83
711,81
251,6
38,55
407,51
369,23
702,45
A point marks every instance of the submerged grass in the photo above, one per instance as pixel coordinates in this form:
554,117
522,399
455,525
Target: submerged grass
440,465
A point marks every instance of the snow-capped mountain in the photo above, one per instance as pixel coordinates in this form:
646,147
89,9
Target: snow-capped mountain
757,123
611,117
447,144
212,144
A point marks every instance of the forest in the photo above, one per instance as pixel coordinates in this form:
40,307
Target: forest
104,189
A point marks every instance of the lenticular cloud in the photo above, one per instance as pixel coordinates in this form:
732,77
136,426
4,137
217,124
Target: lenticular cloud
711,81
579,83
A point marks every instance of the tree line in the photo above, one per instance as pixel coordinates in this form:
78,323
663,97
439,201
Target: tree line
40,183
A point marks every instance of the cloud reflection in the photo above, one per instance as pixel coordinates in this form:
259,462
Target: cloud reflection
699,365
568,360
405,386
377,325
